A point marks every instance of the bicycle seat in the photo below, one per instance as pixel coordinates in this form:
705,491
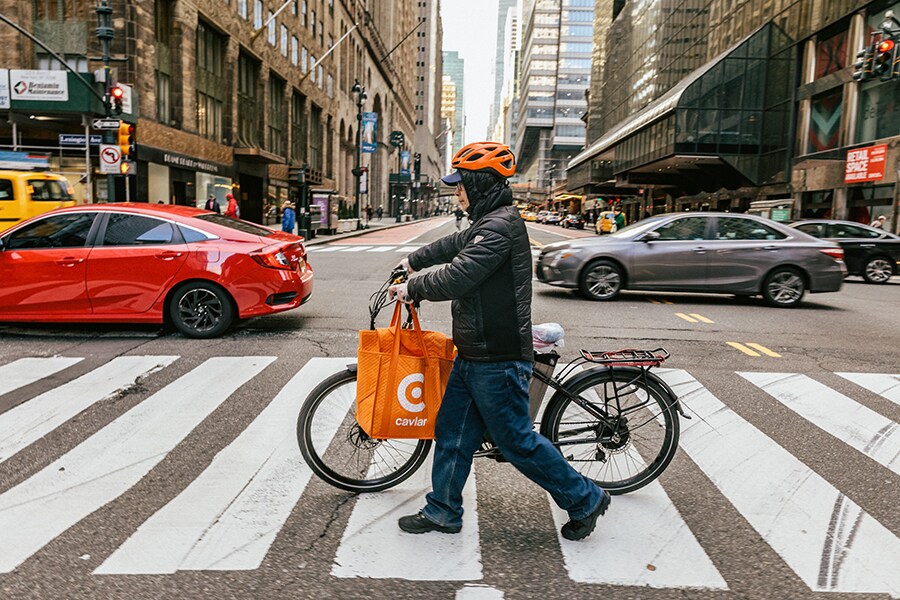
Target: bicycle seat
547,336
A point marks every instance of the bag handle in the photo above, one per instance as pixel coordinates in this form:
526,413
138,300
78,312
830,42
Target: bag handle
397,327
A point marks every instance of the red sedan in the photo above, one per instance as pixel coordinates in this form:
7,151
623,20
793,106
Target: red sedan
149,263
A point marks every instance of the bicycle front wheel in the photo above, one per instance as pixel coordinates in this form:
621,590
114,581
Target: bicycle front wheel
337,449
628,449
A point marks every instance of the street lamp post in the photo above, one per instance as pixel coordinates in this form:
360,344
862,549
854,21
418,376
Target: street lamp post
360,92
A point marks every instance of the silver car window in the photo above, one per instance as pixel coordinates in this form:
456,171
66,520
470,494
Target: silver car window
686,228
736,228
842,230
813,229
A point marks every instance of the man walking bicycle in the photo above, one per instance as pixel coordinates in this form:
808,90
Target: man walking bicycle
487,276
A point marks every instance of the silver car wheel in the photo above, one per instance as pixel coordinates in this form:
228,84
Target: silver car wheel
602,281
878,270
785,288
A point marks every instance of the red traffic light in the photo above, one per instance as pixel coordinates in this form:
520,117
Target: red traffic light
886,46
117,92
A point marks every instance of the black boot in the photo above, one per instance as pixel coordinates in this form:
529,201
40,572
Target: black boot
578,529
419,523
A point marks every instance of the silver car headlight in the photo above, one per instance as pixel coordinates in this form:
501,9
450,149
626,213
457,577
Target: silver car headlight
562,255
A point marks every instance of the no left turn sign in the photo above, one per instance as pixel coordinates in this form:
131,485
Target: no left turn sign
110,159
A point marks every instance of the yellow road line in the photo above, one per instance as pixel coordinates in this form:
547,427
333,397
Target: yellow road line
535,243
743,349
664,301
702,318
764,350
652,301
686,318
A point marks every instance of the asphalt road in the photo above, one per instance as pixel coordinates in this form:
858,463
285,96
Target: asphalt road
177,475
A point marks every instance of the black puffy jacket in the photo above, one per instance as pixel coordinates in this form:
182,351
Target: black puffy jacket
486,273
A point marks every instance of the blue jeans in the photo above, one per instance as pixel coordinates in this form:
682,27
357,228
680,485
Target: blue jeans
493,397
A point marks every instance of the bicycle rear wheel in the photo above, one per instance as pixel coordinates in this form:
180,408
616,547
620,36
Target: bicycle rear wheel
337,449
636,444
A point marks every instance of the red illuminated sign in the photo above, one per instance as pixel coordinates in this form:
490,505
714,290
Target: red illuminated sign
865,164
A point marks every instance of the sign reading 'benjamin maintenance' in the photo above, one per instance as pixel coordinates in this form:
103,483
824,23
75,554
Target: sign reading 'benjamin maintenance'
52,86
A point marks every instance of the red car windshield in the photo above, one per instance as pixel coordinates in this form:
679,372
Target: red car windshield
242,226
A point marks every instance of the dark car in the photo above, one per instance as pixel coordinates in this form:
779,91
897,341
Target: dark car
576,221
872,253
697,252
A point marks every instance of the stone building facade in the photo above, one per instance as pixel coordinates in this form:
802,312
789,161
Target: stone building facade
234,96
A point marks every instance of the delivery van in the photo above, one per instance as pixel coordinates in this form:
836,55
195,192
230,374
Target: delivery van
24,194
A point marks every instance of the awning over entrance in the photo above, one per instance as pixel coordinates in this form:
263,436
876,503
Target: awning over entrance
723,126
258,155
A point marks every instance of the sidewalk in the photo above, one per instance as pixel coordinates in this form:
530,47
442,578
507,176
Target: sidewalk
373,225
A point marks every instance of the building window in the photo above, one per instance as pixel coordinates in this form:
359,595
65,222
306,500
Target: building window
304,57
257,14
312,68
330,86
316,136
242,8
54,10
312,22
831,54
825,121
295,50
276,115
298,128
248,101
879,111
164,62
303,20
211,87
284,40
271,28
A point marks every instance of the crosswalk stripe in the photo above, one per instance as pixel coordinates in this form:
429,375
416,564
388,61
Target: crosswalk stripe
115,458
886,386
407,249
356,248
327,248
382,249
641,529
228,517
26,371
860,427
823,536
30,421
373,546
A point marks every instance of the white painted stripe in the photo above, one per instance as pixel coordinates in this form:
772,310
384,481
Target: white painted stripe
228,517
886,386
32,420
115,458
26,371
639,531
355,248
828,540
374,546
382,248
330,248
407,249
475,591
858,426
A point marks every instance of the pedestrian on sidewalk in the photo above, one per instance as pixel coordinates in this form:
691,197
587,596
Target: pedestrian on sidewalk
232,209
379,212
487,276
288,218
213,204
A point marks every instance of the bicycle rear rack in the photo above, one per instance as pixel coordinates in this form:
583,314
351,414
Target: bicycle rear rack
628,357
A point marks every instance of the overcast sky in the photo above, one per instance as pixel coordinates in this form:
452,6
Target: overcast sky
470,28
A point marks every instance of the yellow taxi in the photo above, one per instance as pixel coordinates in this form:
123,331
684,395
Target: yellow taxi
25,194
530,216
606,221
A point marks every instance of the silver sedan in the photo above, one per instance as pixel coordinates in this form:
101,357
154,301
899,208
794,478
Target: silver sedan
706,252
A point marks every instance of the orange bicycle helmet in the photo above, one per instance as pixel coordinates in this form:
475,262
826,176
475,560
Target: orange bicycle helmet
486,155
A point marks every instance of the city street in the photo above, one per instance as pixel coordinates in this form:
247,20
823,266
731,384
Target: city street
136,463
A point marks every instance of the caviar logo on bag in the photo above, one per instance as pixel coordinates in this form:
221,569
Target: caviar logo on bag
404,392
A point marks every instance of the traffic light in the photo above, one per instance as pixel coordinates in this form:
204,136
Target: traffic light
417,164
127,142
126,167
863,65
117,94
883,61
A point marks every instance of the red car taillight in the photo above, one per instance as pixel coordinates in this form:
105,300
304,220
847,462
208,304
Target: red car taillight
272,258
835,253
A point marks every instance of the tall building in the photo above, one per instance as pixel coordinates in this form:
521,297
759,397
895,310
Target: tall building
226,96
454,67
737,105
555,74
499,68
448,109
503,124
429,83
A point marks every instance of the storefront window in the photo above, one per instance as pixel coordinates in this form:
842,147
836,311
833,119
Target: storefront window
831,54
825,121
879,110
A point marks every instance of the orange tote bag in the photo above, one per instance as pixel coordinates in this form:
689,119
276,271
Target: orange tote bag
401,378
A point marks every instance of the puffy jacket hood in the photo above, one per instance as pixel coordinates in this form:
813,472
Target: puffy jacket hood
486,191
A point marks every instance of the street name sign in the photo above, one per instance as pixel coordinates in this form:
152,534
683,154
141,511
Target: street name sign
77,139
105,123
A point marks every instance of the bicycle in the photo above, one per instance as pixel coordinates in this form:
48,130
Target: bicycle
614,421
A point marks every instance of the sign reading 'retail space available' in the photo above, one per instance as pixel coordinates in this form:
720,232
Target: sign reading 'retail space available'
865,164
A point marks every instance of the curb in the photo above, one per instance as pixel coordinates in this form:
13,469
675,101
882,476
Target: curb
324,238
